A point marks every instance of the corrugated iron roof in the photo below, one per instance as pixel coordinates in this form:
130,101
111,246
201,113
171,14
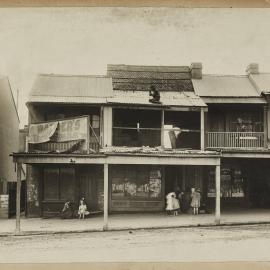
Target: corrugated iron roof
262,81
224,86
184,99
67,100
234,100
72,86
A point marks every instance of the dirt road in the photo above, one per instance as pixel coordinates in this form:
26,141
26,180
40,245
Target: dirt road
237,243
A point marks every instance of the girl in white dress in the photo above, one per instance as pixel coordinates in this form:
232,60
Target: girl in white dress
172,203
82,212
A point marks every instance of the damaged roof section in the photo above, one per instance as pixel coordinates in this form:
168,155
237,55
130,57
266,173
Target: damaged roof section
141,78
155,150
131,85
173,98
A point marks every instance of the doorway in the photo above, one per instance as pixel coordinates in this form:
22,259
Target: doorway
183,177
88,178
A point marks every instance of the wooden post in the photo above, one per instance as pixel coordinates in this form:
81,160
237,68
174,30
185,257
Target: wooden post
5,186
217,212
265,126
162,129
18,199
268,123
183,178
202,129
107,126
106,196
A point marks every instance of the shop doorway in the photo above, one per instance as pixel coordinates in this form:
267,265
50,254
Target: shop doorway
88,180
183,178
258,187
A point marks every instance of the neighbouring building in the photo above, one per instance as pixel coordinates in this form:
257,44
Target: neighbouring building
107,139
9,142
237,126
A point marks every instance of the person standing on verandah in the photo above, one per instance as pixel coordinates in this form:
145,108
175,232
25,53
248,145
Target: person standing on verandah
195,200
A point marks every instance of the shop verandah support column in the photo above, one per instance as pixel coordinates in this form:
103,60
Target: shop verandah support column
202,129
18,200
265,126
106,196
217,211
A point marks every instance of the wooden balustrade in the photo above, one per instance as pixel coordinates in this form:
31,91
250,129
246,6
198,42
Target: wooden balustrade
243,140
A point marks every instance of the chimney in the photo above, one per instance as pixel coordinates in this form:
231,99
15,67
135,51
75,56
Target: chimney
252,68
196,70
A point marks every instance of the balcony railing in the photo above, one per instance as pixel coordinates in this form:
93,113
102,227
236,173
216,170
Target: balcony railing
243,140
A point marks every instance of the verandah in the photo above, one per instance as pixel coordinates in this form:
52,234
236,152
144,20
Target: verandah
183,159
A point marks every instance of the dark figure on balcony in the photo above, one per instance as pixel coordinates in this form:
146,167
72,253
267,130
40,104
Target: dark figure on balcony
154,93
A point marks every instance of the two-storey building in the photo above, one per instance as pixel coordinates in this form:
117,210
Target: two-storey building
124,140
237,127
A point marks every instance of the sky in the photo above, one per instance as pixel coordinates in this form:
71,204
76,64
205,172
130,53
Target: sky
85,40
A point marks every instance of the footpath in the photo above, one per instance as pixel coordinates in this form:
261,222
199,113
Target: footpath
117,222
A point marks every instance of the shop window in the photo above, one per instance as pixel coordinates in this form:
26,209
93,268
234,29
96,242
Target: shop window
136,183
58,184
231,183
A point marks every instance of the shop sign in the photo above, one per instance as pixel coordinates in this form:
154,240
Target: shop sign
61,131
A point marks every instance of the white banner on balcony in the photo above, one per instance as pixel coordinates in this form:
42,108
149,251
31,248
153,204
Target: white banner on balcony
40,133
72,129
63,130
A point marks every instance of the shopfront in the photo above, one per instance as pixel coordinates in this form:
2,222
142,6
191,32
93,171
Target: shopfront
143,188
233,185
136,188
49,186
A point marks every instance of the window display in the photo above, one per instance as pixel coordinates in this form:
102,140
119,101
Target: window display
211,190
136,183
231,183
238,184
